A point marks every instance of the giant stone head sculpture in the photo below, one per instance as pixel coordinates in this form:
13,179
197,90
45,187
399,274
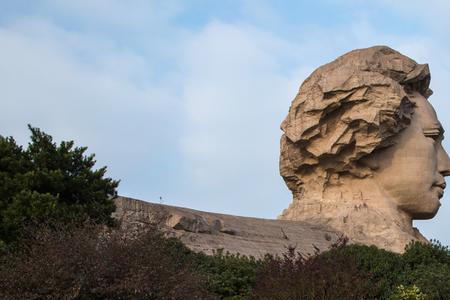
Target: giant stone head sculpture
361,149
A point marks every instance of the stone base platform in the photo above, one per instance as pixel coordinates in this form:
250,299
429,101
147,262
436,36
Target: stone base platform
207,232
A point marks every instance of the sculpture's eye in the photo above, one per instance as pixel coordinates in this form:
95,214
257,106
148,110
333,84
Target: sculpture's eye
435,133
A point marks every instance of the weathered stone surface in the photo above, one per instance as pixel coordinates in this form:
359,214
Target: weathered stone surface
361,150
207,232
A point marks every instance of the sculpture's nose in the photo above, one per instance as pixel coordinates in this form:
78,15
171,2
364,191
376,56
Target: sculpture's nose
443,162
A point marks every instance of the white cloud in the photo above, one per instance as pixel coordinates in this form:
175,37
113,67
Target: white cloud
113,15
48,81
234,102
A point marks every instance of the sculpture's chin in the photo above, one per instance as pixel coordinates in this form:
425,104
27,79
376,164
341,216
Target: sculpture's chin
427,213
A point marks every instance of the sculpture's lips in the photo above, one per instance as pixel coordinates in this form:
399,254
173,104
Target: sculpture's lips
441,185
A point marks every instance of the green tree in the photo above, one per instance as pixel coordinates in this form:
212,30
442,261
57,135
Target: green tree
50,181
428,267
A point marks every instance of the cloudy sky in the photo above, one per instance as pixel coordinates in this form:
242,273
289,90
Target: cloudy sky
183,99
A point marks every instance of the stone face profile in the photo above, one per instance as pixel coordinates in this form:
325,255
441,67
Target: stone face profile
361,150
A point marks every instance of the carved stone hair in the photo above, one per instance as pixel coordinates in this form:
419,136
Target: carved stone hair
347,109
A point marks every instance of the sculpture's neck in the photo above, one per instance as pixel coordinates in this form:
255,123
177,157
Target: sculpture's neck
356,207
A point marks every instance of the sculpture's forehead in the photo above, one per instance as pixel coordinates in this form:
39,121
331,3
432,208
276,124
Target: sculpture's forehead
425,112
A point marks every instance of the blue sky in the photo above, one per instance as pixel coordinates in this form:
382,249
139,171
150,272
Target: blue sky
183,99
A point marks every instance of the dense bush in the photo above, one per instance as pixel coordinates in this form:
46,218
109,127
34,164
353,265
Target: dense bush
427,267
358,272
382,267
91,262
229,276
87,261
96,262
332,276
46,180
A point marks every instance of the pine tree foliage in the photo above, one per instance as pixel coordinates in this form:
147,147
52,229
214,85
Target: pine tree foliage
50,181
